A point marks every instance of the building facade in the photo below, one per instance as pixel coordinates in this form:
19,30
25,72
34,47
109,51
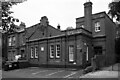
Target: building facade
45,45
16,44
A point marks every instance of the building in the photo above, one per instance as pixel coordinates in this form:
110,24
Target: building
47,46
16,44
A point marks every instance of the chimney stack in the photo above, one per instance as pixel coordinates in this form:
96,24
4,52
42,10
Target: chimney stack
58,26
88,15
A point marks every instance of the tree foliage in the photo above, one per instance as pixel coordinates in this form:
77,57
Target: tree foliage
115,13
8,21
115,10
69,28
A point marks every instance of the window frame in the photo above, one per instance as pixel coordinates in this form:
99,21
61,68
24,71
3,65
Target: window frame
9,41
31,52
36,51
87,53
97,26
22,40
13,40
58,51
52,54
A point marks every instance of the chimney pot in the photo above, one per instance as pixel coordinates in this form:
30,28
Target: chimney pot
58,27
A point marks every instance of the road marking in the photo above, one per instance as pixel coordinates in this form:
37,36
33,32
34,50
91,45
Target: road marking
72,73
54,73
39,72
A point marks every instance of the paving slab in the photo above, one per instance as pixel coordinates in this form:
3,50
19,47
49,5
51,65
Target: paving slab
102,74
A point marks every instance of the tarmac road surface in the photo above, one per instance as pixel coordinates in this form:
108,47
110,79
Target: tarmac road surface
42,73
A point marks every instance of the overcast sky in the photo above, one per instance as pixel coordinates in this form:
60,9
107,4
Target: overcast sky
63,12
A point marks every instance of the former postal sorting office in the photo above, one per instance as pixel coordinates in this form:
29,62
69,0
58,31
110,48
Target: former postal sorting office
44,45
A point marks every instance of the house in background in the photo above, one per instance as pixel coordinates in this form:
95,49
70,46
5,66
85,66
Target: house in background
16,44
44,45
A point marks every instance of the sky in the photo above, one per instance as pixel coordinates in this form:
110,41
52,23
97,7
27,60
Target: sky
63,12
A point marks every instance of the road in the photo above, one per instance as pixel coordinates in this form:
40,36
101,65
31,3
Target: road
42,73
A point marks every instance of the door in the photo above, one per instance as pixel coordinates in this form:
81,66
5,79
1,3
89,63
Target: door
42,55
98,50
23,56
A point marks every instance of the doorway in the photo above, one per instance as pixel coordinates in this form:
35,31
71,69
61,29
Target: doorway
23,56
98,50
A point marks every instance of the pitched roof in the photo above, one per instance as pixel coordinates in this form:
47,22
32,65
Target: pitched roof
31,30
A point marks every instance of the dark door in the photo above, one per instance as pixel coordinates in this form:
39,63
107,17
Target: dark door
23,56
98,50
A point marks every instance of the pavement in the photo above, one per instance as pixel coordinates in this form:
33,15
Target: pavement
106,72
101,74
35,72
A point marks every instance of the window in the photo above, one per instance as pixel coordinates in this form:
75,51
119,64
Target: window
10,41
51,51
87,54
32,55
97,26
82,26
13,40
36,52
117,32
9,56
71,53
57,51
22,40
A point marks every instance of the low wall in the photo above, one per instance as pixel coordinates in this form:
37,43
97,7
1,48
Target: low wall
23,64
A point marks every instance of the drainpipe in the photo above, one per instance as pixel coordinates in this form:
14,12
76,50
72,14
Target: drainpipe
65,47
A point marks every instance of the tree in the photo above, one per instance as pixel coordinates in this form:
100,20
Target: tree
115,13
69,28
8,22
114,10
